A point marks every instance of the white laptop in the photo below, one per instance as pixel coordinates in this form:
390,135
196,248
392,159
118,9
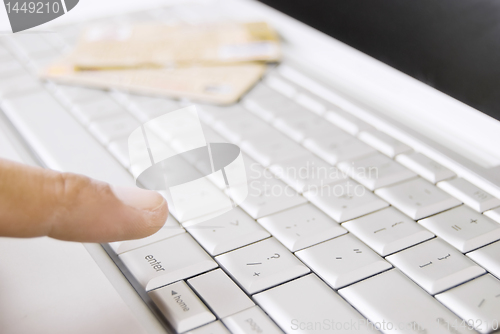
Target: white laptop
413,247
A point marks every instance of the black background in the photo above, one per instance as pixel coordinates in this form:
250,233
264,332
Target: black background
452,45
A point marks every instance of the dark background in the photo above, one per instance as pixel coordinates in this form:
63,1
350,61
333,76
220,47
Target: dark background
452,45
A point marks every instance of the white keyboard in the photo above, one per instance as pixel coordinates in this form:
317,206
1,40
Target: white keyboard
412,248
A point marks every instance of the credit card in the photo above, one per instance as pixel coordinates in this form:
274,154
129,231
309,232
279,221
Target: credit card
223,84
162,45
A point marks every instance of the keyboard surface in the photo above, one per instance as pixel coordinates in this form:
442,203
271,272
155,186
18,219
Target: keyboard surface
372,237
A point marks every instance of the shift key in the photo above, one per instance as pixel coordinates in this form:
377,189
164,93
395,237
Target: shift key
167,261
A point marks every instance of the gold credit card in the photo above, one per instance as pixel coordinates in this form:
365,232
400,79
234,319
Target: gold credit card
161,45
223,84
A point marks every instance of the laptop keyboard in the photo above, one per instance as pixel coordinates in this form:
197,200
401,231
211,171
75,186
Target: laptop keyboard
296,257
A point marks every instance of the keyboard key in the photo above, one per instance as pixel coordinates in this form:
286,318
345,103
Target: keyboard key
56,145
10,67
383,142
97,110
343,261
311,103
345,200
220,293
252,320
226,232
210,114
493,214
269,148
119,149
477,302
120,96
138,100
281,85
488,257
70,33
435,265
167,261
123,97
109,129
141,159
425,167
211,136
215,327
463,228
20,83
337,147
267,196
55,40
418,198
306,173
235,178
254,170
73,94
270,107
146,110
41,61
300,126
301,227
375,171
240,128
182,308
298,306
198,199
261,265
181,126
29,45
4,52
391,300
261,92
387,231
170,229
347,122
471,195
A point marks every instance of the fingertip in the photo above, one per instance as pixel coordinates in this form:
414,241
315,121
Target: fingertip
156,219
138,198
151,205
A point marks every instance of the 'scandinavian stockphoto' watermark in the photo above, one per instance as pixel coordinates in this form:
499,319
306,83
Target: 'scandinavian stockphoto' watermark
320,180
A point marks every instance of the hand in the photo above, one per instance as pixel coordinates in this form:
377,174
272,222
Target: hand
40,202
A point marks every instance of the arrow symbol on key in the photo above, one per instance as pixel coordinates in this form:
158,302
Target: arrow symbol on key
173,292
